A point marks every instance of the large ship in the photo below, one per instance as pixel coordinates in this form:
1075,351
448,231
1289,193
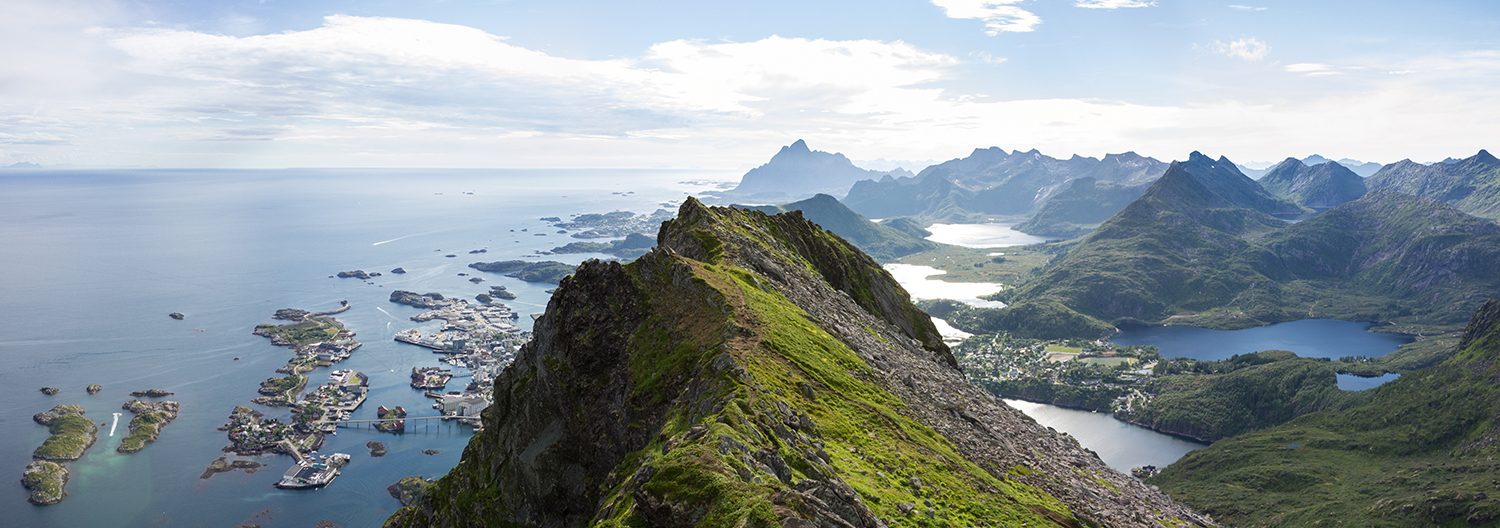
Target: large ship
313,472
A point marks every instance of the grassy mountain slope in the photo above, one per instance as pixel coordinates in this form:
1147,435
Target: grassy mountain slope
756,370
1165,253
1420,451
876,240
1079,206
1472,185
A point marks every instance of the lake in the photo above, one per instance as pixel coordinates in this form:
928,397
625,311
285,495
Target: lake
993,235
1308,338
1350,382
919,282
94,262
1121,445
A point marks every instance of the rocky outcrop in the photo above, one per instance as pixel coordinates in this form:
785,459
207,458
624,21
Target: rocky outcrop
152,393
409,490
755,370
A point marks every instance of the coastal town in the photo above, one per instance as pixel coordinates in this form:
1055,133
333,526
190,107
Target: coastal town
1086,374
481,338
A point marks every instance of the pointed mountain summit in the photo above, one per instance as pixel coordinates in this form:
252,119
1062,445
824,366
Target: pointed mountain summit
1225,181
1471,184
1318,187
758,371
796,172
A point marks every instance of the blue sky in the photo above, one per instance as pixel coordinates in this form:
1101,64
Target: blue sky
512,83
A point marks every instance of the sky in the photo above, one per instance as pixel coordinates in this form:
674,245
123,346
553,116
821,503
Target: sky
722,85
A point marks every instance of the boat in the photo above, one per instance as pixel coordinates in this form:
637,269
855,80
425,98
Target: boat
314,472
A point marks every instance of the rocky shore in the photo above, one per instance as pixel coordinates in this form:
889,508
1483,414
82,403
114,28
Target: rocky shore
224,465
146,425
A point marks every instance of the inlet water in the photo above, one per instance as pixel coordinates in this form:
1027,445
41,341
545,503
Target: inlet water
1324,338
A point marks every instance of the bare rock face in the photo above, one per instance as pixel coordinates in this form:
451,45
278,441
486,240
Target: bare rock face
755,370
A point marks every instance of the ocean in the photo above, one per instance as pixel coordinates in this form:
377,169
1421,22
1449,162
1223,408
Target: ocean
91,263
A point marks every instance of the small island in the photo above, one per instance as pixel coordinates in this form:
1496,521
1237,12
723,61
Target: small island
500,292
316,338
377,449
357,274
46,481
418,300
152,393
177,315
50,391
93,388
542,271
146,425
72,433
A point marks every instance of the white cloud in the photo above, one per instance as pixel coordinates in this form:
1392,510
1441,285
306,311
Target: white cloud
999,16
1243,7
1247,48
391,92
1312,68
1113,4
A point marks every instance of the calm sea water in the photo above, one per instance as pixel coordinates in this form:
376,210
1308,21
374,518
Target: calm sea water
1308,338
92,262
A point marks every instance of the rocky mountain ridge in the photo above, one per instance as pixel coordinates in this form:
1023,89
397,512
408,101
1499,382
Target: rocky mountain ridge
756,370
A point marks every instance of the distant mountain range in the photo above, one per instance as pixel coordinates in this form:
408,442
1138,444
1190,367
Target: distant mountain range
993,182
1318,187
1362,168
797,172
1471,184
879,241
1199,247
